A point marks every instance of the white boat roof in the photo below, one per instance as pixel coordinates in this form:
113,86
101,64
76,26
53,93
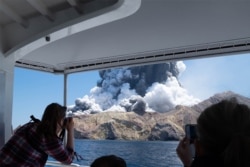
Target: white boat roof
66,36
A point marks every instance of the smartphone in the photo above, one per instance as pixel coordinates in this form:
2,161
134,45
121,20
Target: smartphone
190,130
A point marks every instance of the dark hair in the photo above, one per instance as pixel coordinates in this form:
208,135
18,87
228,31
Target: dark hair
52,116
224,131
109,161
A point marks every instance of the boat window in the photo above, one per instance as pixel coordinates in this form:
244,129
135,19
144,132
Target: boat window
135,112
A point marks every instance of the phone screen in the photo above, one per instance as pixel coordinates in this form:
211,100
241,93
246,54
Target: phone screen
190,130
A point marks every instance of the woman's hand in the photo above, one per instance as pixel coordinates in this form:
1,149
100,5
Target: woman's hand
184,152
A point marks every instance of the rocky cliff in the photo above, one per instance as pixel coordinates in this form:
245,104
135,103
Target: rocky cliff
144,126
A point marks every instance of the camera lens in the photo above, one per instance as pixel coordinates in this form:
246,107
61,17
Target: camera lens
65,121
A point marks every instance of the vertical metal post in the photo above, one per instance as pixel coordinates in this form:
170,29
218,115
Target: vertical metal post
65,100
65,89
2,121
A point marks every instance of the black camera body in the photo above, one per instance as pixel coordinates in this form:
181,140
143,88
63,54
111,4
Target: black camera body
66,120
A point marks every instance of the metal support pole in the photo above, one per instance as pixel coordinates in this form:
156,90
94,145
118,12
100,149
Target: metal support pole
65,101
65,89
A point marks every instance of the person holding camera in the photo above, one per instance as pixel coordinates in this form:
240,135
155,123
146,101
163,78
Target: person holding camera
223,137
31,144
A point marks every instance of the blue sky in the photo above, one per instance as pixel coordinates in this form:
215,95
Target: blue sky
207,76
34,90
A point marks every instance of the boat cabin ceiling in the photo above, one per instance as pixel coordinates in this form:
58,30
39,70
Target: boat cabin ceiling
66,36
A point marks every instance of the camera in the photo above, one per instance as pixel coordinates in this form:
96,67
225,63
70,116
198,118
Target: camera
66,120
69,117
190,130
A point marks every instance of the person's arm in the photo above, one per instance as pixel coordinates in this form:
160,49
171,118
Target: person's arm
184,153
70,134
57,150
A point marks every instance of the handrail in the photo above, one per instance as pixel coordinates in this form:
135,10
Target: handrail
56,163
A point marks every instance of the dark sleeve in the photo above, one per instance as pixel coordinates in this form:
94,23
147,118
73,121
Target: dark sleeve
55,148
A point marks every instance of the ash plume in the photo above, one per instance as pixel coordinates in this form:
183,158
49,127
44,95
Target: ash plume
140,89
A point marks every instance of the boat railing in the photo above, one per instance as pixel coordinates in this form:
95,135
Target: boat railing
56,163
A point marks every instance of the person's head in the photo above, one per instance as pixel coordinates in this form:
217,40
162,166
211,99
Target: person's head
109,161
224,130
52,118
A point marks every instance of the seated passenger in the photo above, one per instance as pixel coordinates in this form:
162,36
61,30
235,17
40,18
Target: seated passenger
31,144
223,137
109,161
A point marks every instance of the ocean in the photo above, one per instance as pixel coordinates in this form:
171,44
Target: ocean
135,153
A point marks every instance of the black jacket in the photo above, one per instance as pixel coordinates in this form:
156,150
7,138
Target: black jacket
207,161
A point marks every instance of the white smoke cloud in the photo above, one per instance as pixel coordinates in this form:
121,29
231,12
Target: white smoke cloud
181,67
160,97
164,97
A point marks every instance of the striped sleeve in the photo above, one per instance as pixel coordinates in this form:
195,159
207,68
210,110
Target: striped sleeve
55,148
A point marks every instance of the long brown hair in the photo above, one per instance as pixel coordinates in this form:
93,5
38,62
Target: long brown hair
224,131
52,116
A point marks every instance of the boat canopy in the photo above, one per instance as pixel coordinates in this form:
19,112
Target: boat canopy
67,36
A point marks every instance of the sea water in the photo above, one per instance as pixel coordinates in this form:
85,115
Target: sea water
135,153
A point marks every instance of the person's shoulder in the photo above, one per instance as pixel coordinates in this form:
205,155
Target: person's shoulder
207,161
26,127
30,125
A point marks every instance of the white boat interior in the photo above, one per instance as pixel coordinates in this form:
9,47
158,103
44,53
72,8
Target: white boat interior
68,36
55,163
